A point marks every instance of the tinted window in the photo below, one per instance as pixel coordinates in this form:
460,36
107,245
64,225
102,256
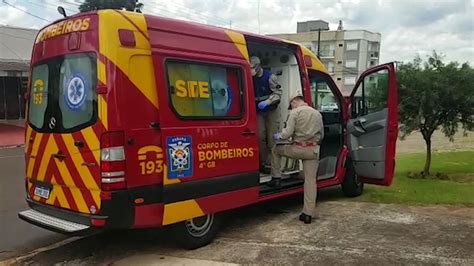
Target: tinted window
322,96
77,91
371,94
38,95
67,101
204,90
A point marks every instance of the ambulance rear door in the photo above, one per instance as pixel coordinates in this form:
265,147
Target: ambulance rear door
373,125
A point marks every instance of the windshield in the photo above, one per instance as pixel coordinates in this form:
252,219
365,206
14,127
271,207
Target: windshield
63,97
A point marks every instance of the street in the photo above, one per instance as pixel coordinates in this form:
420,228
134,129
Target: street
17,237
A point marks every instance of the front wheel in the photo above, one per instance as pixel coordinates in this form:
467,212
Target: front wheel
196,232
352,186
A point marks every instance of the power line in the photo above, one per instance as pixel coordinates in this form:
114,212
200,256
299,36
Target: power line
43,4
13,52
215,20
24,11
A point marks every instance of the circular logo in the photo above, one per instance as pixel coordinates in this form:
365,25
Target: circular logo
75,91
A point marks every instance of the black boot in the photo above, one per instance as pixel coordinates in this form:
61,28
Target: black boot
305,218
275,182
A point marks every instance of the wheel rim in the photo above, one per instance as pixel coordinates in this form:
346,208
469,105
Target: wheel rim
357,180
200,226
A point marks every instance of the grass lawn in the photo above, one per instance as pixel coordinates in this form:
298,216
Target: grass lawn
459,189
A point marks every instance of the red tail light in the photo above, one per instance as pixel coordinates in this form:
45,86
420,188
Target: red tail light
112,160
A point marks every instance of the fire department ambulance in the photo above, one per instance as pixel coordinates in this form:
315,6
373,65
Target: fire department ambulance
137,121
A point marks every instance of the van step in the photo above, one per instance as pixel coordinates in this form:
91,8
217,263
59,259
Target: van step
285,185
50,222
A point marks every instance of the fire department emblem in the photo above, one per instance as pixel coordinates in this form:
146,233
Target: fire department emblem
179,156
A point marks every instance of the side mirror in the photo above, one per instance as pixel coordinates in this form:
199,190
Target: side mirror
62,11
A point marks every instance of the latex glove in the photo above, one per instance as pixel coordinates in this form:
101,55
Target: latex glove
277,136
262,105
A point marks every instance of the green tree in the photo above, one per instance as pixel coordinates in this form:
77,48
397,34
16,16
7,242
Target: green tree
129,5
434,95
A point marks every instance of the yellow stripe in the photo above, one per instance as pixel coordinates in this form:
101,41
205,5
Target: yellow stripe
47,153
57,192
34,152
103,115
27,138
101,73
135,62
92,142
76,193
83,171
181,211
240,43
166,180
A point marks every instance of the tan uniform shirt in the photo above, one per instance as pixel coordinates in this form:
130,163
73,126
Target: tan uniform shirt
304,124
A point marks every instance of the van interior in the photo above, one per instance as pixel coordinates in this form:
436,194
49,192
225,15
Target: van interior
281,60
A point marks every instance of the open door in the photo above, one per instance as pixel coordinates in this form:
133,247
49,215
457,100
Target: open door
373,125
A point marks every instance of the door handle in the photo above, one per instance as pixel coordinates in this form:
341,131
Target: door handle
248,132
360,124
59,156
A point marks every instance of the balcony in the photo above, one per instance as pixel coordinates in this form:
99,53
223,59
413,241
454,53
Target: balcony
374,55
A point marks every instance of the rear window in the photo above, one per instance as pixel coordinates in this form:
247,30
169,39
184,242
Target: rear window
206,91
38,95
63,95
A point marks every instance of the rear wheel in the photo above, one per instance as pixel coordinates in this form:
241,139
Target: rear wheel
196,232
352,186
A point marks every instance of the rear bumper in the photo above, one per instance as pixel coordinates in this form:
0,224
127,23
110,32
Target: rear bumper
58,220
53,223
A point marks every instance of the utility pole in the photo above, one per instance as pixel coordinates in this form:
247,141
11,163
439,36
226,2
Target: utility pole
319,44
230,24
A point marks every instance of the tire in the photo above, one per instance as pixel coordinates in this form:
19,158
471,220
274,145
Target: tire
196,232
352,186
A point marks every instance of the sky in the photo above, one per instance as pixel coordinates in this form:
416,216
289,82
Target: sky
408,27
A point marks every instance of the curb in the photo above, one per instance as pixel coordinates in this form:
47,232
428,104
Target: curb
22,258
11,146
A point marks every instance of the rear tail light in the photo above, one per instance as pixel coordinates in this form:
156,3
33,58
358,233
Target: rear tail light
112,160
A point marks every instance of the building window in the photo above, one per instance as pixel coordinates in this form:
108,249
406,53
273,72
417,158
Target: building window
327,50
350,80
351,63
339,62
338,78
350,46
341,45
330,67
204,90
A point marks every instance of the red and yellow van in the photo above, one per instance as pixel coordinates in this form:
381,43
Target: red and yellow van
137,121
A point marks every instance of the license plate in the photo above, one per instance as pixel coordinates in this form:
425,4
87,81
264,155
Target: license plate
42,192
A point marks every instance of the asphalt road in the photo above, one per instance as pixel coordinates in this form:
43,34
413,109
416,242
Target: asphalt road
17,237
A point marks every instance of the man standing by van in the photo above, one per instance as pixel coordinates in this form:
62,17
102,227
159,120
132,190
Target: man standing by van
305,129
267,97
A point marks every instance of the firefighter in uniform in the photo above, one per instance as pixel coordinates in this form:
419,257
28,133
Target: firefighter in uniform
267,97
304,127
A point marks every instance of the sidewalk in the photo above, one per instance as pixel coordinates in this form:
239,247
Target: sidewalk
11,133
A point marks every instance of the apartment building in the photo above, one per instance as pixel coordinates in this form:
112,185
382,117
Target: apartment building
345,53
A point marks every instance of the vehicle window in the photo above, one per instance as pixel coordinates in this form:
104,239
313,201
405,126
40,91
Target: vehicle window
38,95
322,96
371,94
77,93
63,95
204,90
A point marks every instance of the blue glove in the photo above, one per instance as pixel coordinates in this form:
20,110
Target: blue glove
262,105
277,136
